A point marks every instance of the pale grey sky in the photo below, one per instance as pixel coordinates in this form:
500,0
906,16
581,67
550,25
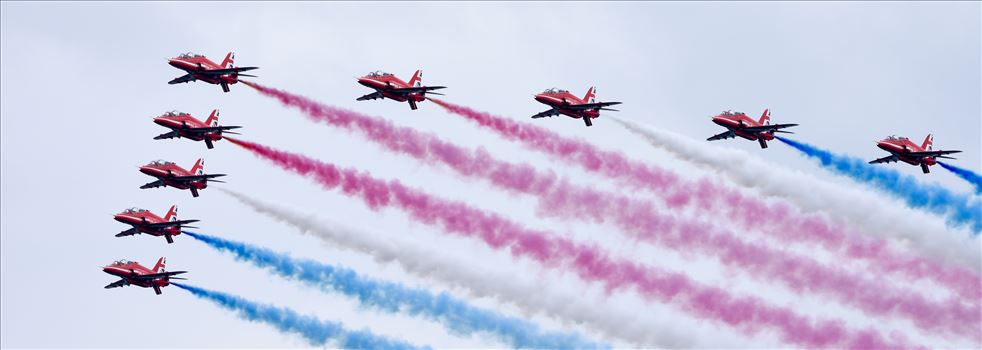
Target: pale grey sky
79,83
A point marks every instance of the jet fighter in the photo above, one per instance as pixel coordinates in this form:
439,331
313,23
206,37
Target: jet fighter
739,124
144,221
132,273
199,67
388,86
902,149
565,103
186,126
170,174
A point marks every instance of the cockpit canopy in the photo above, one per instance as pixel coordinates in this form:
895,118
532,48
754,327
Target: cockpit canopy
189,55
174,113
729,112
379,73
896,138
554,91
160,162
121,262
134,210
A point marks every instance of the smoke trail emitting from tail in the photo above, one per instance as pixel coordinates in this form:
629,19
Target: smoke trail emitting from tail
960,209
455,314
532,297
967,175
314,330
590,263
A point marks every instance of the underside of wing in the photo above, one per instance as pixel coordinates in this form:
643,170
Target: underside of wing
225,71
182,79
151,276
372,96
117,284
168,135
190,178
722,136
129,232
165,224
931,153
154,184
888,159
549,113
772,127
415,89
588,106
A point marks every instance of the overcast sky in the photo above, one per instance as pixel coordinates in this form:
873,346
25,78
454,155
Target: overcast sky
80,82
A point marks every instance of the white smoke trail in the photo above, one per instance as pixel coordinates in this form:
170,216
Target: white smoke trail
632,326
865,210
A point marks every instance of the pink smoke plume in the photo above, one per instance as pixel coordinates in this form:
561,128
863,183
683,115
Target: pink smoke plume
749,314
643,221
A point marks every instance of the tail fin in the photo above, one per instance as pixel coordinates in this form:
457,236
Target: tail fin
229,59
199,167
212,119
591,95
171,214
765,119
928,142
417,79
160,265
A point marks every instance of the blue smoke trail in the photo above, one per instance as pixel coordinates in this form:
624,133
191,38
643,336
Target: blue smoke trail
967,175
455,314
960,209
317,332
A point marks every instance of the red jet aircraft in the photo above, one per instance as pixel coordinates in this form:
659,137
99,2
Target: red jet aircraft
143,221
739,124
902,149
186,126
170,174
563,102
388,86
201,68
132,273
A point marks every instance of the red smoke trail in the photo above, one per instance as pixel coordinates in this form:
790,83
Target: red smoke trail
749,314
642,219
778,219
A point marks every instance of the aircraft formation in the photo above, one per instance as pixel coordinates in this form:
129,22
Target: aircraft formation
385,86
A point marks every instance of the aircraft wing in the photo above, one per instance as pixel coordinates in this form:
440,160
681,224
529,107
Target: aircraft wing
888,159
585,106
225,71
196,177
722,136
415,89
169,135
372,96
154,184
182,79
549,113
931,153
153,276
772,127
117,284
129,232
170,223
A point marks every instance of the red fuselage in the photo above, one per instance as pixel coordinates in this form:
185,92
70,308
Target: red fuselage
165,173
130,270
181,123
383,84
563,99
736,122
140,219
192,65
901,147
